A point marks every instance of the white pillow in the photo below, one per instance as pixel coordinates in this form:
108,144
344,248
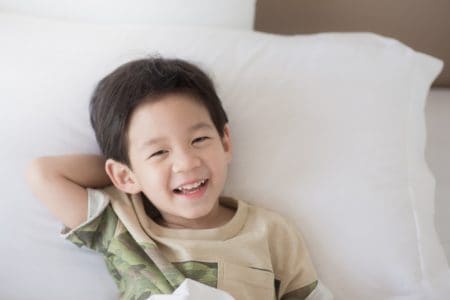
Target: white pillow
238,14
328,129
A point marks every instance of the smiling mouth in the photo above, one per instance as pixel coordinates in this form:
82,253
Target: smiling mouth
190,188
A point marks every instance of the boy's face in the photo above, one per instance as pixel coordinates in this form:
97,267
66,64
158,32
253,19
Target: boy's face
183,171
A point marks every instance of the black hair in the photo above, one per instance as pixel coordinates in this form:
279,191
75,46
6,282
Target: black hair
120,92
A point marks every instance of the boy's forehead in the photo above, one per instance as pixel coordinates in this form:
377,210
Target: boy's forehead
182,110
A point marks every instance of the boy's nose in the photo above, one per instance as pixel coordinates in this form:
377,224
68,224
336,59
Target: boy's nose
185,161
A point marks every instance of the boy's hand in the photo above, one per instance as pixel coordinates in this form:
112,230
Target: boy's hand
60,182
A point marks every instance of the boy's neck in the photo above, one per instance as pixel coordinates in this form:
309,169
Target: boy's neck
218,216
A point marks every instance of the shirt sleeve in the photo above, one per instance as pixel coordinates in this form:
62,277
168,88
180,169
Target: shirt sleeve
98,230
293,266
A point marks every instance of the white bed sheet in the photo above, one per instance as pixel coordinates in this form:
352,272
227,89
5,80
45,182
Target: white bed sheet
437,154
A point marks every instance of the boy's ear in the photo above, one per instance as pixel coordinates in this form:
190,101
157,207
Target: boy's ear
122,177
226,142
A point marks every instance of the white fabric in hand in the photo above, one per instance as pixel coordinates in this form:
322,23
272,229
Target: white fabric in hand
321,292
191,289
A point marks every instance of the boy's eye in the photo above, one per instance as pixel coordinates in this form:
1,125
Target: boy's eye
160,152
200,139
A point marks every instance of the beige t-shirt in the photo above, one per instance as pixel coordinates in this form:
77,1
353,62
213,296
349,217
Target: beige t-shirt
255,255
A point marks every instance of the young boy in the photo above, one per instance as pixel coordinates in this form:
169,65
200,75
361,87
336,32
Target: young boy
166,147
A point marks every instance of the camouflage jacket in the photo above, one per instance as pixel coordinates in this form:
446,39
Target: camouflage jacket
137,266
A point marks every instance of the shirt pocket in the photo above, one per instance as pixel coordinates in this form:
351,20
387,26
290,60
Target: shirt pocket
245,282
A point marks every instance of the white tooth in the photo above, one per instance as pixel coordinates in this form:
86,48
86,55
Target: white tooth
191,186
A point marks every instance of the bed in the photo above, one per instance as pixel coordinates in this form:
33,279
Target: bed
354,132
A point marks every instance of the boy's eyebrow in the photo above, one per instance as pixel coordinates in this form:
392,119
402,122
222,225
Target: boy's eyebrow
192,128
200,126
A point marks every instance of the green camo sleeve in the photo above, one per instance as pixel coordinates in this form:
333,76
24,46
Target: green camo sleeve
98,230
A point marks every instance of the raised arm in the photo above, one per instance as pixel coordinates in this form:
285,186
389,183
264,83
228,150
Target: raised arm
60,183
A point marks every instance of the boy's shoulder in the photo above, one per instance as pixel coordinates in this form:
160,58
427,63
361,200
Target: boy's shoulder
277,224
288,250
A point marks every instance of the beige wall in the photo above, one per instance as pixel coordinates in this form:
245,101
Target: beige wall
424,25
